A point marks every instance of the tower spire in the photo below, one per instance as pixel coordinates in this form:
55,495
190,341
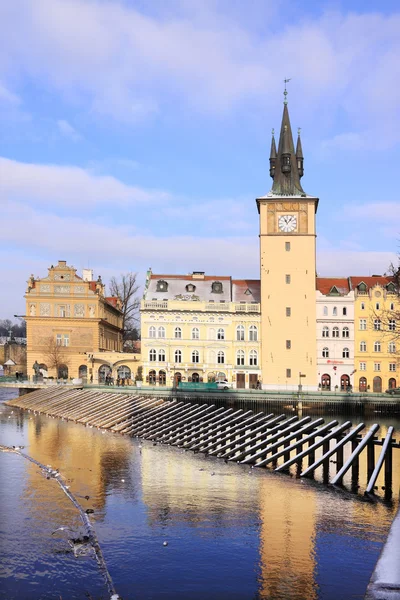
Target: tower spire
299,155
272,156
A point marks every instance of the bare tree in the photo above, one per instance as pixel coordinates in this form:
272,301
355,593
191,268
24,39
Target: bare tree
55,355
126,288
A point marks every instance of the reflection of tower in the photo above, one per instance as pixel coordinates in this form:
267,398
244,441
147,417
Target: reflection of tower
288,521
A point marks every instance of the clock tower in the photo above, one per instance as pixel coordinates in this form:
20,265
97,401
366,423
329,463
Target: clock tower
288,270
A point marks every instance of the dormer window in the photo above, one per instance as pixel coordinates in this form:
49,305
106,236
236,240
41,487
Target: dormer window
248,292
391,288
362,287
162,286
216,287
190,288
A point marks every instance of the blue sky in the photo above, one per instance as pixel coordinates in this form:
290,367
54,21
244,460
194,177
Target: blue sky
137,133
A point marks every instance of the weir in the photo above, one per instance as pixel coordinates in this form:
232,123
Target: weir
254,439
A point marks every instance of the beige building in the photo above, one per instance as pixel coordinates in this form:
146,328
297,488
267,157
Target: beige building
68,317
198,328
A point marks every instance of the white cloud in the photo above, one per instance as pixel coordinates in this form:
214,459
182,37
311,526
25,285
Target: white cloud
68,185
68,131
7,96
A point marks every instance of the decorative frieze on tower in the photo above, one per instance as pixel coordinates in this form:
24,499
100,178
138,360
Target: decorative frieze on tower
288,269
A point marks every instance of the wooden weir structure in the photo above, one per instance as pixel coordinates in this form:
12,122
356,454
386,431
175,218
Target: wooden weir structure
243,436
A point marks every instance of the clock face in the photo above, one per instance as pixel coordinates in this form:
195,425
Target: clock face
287,223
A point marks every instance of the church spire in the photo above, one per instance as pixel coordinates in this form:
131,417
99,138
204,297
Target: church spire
286,173
299,155
272,156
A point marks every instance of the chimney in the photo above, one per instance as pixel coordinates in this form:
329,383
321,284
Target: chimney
87,274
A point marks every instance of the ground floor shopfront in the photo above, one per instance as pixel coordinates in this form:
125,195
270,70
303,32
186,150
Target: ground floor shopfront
170,375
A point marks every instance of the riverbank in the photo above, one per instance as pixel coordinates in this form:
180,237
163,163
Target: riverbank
385,580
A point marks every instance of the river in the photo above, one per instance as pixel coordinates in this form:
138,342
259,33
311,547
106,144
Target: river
231,532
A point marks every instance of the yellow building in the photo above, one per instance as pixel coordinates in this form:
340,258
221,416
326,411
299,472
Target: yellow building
67,318
198,328
376,306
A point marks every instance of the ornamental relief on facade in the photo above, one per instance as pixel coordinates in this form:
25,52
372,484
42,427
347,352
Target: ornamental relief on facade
187,297
44,309
45,288
59,277
62,289
32,310
79,289
79,310
92,310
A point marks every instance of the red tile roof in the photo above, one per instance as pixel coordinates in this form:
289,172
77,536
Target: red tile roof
382,280
325,284
191,278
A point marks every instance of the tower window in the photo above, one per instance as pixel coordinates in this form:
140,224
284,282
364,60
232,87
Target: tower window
287,246
288,344
288,311
287,278
288,373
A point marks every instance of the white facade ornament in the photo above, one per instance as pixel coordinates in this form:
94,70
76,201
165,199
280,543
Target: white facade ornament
32,310
62,289
44,309
92,310
45,288
79,310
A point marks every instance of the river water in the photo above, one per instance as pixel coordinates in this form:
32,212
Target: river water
232,532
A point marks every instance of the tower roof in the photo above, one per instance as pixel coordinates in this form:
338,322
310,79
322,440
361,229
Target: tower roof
286,183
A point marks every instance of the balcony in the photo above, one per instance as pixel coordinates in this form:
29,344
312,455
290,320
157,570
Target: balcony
216,307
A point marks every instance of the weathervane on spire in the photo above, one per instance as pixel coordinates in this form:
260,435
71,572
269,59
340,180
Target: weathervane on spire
285,92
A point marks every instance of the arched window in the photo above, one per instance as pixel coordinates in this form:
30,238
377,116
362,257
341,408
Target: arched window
178,333
211,377
363,346
221,357
216,287
82,372
253,333
392,325
362,384
162,286
162,377
345,332
62,372
392,306
377,324
392,347
377,306
240,358
195,356
104,370
392,383
195,333
325,311
152,332
161,332
253,356
124,372
195,377
344,311
161,355
220,334
335,332
240,333
334,312
152,355
152,377
377,346
346,353
377,384
178,356
325,352
325,332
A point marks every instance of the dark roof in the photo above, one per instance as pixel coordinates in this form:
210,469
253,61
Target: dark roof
286,184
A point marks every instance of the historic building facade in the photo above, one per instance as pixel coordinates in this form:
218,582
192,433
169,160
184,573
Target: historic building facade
198,328
68,319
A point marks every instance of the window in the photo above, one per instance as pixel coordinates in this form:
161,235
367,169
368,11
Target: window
152,355
377,306
240,333
220,334
221,357
62,311
287,278
346,353
190,287
325,311
195,356
377,324
392,366
288,344
391,306
363,346
344,311
240,358
152,332
362,306
363,324
377,366
287,246
335,332
161,355
253,358
288,373
195,333
62,339
216,287
377,347
161,332
363,366
346,332
253,333
325,352
162,286
325,332
392,347
288,311
178,333
178,356
392,325
334,312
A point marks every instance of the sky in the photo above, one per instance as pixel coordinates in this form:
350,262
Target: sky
136,133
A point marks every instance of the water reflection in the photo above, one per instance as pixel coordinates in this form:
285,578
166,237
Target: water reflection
233,532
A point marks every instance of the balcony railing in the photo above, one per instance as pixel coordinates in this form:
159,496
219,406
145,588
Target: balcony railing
230,307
